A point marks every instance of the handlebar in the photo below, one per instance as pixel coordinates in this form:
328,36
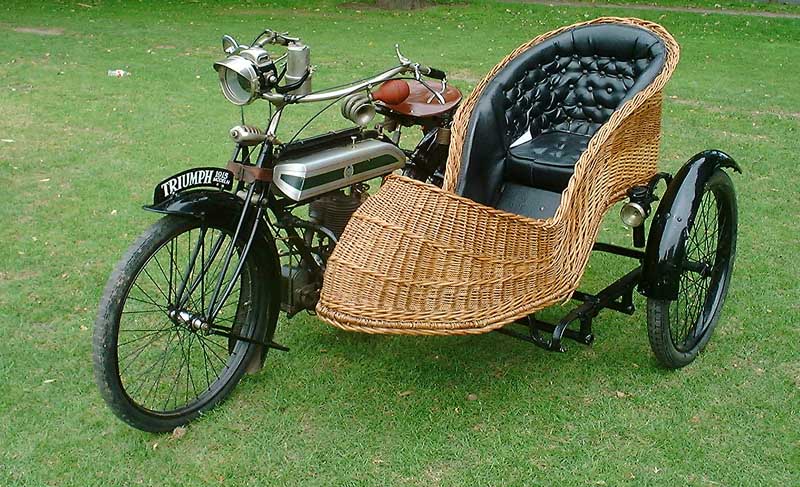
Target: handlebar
431,72
406,66
273,37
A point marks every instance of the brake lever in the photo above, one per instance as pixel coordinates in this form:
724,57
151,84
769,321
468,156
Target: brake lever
404,61
281,39
286,40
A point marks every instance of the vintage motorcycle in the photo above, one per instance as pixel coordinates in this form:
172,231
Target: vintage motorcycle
205,283
494,217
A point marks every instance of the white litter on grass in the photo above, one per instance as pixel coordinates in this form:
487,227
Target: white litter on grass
118,73
7,141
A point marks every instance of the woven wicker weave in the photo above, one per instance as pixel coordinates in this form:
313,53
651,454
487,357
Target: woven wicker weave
419,260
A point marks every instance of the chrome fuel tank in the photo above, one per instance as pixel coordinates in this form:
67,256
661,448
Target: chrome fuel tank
300,177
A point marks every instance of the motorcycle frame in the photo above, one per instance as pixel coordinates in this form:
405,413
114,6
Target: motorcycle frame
253,189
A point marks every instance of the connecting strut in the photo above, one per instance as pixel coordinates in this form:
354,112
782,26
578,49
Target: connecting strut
618,296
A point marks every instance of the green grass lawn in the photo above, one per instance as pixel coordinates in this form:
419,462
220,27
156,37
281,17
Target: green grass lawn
81,152
773,6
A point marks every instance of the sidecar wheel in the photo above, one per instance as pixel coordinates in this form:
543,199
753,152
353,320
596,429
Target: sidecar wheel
156,371
680,329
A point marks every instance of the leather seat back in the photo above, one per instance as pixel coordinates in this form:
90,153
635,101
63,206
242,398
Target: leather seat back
572,82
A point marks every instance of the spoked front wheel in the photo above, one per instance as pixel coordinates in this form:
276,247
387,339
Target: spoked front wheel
160,361
679,329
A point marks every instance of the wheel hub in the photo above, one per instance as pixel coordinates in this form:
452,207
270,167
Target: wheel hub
190,321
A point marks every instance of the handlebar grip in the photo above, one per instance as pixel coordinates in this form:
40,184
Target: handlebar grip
435,73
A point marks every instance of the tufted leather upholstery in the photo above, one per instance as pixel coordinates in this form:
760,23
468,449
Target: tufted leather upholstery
547,161
561,91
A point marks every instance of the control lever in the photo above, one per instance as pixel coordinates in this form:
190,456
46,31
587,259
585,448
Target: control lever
404,61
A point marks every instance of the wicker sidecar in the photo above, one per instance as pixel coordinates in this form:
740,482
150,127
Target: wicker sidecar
560,130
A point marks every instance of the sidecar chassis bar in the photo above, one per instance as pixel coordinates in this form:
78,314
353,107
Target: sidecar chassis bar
617,296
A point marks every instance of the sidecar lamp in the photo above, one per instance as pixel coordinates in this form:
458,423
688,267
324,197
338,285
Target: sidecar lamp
632,215
238,79
637,209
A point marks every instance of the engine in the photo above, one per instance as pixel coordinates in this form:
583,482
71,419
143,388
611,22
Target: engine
334,210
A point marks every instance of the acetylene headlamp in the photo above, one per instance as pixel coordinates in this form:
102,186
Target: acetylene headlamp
243,76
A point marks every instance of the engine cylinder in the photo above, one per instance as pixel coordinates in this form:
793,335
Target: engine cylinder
334,210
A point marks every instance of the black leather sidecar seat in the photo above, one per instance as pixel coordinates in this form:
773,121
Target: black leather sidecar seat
538,113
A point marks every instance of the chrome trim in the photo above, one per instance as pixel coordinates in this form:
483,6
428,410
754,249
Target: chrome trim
243,67
339,163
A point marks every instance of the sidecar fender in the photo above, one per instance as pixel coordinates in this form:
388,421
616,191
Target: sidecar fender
666,243
216,204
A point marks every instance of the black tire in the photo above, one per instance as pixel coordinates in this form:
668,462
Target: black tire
680,329
136,322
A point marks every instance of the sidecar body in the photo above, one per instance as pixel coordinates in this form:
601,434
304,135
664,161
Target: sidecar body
563,128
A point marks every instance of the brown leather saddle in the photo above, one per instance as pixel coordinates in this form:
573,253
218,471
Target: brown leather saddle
421,101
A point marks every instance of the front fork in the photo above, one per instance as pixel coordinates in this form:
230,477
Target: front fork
255,197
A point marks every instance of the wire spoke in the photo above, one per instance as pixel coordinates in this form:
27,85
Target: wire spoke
144,269
151,333
139,311
162,308
163,360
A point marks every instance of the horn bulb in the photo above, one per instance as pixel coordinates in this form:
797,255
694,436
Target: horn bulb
392,92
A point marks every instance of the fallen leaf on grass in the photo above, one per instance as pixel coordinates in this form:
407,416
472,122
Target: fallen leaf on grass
472,397
695,419
178,433
621,394
405,393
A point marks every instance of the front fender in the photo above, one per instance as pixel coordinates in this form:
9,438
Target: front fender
200,203
666,243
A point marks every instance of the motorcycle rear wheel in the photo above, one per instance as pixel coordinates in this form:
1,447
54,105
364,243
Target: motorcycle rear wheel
155,370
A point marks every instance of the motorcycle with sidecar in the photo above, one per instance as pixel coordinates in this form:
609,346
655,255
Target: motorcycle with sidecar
488,219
